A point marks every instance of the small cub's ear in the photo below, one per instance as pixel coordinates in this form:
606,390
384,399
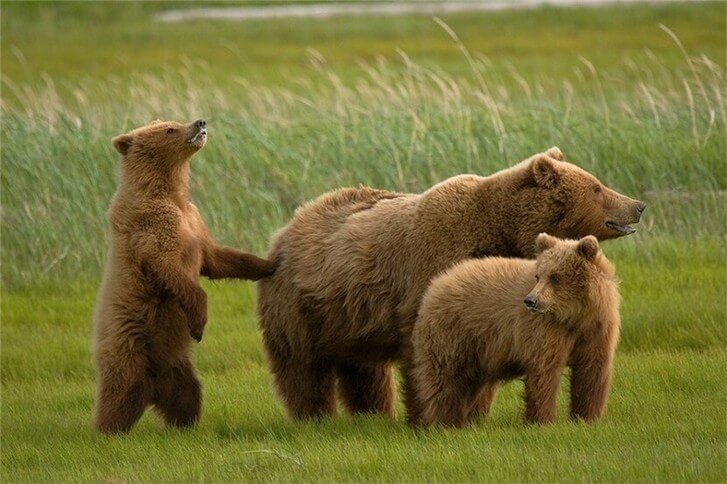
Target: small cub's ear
544,242
544,171
156,121
555,152
588,247
122,143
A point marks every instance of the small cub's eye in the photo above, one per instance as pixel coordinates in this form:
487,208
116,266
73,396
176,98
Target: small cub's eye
171,130
537,278
553,279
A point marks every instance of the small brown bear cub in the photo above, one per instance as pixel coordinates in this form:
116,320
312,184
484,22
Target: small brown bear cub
151,305
475,331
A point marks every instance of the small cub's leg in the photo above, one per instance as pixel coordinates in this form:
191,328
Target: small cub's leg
541,390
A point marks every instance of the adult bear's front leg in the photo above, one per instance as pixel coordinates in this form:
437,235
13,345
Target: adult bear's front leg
591,365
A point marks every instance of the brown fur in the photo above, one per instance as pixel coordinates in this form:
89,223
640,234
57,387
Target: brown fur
354,264
474,332
150,304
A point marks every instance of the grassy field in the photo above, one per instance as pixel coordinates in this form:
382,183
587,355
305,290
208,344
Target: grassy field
636,95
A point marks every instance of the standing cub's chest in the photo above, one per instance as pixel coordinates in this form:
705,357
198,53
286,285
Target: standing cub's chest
190,242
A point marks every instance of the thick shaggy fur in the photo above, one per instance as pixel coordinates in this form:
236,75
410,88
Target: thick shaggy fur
475,330
354,264
151,304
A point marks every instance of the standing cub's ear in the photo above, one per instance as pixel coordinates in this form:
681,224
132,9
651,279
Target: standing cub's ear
588,247
544,171
544,242
122,143
555,152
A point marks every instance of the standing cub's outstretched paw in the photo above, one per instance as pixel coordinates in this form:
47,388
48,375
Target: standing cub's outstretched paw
256,267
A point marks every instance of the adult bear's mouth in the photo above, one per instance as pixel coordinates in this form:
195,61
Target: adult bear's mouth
622,229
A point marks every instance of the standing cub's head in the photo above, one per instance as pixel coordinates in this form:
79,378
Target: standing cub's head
162,141
585,206
569,276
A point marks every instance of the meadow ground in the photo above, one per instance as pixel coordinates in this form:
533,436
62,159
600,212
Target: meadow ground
633,94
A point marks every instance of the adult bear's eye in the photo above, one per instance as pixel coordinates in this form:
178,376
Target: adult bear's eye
553,279
597,189
537,278
171,130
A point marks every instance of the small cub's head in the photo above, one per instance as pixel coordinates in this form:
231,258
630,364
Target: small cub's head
162,141
566,271
586,206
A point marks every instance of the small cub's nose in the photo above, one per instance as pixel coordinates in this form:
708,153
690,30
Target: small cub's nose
200,123
530,302
641,206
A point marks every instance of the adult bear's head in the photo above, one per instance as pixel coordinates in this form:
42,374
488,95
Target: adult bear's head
585,205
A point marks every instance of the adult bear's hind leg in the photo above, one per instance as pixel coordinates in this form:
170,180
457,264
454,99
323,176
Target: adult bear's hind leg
307,389
304,383
366,389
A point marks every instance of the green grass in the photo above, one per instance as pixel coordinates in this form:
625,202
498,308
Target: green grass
297,108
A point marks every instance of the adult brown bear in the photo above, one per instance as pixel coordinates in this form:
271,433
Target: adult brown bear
354,264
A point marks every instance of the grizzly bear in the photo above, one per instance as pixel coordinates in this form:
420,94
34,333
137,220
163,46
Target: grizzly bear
485,321
150,304
355,262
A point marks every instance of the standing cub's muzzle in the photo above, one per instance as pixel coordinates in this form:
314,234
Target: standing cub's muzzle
198,133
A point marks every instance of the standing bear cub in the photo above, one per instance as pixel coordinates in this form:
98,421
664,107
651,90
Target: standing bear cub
151,305
491,320
354,264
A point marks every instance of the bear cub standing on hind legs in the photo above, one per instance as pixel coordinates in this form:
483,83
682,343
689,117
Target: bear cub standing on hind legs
474,331
150,304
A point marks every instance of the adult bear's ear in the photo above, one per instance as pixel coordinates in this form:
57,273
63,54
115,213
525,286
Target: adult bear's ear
156,121
555,153
544,242
588,247
122,143
544,171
